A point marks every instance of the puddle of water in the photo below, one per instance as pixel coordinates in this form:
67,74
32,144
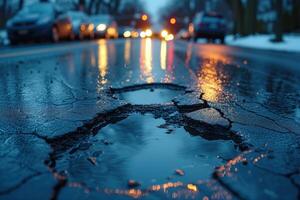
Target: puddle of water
148,96
136,148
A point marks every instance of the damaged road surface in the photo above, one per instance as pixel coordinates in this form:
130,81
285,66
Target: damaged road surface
131,119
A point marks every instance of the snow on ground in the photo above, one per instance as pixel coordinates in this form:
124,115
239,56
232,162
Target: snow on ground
291,42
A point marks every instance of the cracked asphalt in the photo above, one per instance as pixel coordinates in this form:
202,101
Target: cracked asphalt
148,119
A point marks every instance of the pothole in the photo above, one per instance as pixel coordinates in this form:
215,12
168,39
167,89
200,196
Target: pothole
163,144
148,150
149,96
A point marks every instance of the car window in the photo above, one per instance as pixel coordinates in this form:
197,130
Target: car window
43,8
76,15
101,19
212,19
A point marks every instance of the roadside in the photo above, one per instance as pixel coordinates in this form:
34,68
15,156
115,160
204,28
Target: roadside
291,42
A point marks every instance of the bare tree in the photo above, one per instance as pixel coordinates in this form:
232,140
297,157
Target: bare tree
3,11
296,14
250,21
279,21
238,16
21,4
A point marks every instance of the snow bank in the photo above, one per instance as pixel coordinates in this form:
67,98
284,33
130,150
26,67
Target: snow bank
291,42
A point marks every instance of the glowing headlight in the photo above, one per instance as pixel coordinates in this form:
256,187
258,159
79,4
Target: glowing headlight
135,34
101,27
143,34
170,37
148,32
91,27
164,33
127,34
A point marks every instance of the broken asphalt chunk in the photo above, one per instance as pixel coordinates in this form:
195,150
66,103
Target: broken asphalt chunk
106,142
209,116
93,160
179,172
189,101
133,184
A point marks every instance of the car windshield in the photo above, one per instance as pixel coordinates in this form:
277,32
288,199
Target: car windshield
101,19
212,19
43,8
76,15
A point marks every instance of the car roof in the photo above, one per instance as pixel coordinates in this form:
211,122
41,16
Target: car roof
76,13
212,14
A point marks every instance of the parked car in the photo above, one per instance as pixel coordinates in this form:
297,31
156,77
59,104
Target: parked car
81,28
104,26
209,26
39,22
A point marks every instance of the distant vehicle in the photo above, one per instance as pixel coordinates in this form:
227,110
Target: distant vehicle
104,26
81,28
39,22
209,26
125,31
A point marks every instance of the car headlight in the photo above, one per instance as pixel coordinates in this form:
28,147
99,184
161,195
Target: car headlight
44,20
101,27
127,34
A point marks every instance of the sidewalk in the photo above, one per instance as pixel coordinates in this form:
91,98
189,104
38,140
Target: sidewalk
291,42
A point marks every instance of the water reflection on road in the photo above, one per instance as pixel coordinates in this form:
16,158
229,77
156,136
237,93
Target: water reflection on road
102,62
57,92
213,69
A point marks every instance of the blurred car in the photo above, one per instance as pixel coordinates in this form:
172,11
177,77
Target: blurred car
39,22
209,26
104,26
81,28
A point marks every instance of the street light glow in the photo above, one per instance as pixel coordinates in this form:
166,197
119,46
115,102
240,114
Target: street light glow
173,20
144,17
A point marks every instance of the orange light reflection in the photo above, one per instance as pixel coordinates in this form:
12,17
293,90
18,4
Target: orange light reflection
146,60
127,52
102,61
209,82
209,78
163,55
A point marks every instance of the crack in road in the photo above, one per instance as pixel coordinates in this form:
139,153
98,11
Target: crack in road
172,113
20,184
268,118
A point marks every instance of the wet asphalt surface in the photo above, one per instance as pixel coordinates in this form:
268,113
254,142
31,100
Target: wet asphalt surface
148,119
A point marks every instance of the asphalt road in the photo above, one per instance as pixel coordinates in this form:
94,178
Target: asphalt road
178,119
